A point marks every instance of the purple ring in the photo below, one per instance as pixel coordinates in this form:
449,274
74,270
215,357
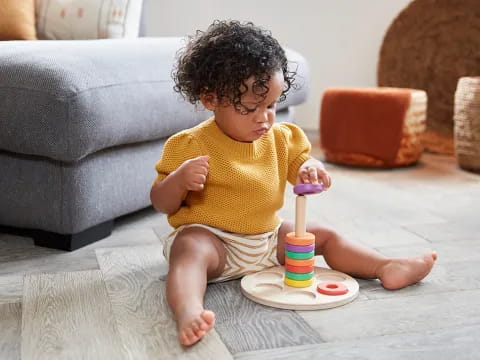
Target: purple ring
299,248
307,189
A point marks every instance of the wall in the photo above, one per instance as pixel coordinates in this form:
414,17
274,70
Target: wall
341,39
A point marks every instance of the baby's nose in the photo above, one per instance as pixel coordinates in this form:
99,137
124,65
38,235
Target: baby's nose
261,117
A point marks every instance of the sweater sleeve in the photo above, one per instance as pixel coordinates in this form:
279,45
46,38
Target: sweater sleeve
178,148
298,149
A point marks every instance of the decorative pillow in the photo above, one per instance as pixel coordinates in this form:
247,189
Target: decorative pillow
88,19
17,20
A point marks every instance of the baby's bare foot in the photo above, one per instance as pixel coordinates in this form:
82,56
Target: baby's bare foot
399,273
192,326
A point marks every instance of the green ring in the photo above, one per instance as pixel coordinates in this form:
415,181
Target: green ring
299,255
299,276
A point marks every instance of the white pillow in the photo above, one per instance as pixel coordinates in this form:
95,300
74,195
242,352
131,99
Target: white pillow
87,19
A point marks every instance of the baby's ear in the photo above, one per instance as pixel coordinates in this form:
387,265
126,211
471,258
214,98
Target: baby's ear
209,101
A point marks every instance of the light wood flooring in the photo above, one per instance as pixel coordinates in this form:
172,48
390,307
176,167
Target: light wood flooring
107,300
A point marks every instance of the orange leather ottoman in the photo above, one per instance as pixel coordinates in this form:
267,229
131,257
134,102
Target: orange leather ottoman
378,127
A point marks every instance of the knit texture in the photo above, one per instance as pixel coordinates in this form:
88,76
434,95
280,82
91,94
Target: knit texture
246,182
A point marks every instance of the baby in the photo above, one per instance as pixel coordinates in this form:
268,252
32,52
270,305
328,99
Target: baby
222,182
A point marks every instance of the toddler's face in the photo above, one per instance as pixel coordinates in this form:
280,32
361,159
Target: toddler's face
252,126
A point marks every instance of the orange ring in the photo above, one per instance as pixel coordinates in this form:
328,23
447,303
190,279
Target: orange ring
295,262
332,288
307,239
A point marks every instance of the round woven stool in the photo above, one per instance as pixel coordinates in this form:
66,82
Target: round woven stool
467,123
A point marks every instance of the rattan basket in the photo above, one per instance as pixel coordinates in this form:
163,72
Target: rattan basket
467,123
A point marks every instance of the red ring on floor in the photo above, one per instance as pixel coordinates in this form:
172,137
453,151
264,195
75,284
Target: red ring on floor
332,288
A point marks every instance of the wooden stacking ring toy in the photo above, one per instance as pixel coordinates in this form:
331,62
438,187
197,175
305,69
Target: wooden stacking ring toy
300,285
300,245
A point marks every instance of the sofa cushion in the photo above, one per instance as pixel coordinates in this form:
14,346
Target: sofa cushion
67,99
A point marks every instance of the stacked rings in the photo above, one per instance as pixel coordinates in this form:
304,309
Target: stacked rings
299,261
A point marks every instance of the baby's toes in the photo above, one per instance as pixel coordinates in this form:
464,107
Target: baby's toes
190,336
183,338
209,319
195,326
199,328
200,334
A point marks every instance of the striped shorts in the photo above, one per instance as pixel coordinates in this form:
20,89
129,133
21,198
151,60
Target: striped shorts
245,254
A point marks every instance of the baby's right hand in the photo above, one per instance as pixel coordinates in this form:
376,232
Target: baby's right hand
193,173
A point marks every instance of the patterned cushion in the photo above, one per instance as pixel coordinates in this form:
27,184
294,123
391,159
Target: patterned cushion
88,19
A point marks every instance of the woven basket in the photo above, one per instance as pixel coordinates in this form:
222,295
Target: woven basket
411,145
429,46
467,123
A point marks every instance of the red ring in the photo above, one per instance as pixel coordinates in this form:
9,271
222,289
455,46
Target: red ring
332,288
299,269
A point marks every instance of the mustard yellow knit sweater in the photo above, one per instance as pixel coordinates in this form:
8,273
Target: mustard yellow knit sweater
246,182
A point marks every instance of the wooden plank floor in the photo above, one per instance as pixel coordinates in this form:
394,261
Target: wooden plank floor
68,315
107,300
245,326
140,307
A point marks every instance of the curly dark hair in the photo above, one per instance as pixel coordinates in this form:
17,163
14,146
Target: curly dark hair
219,61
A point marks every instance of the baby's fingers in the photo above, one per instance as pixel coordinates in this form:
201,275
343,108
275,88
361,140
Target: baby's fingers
304,176
312,175
324,178
195,186
195,181
202,160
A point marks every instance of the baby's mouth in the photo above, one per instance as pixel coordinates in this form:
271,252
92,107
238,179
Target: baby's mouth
262,130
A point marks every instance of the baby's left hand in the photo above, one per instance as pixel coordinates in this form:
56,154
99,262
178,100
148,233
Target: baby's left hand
312,171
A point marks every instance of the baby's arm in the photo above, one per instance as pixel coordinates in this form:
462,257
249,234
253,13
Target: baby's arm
167,195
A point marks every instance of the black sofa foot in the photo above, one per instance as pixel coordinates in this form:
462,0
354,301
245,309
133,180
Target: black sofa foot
68,242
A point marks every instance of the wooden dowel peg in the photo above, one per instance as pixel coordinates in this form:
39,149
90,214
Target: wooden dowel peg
300,215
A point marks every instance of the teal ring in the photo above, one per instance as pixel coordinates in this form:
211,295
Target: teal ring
299,255
299,276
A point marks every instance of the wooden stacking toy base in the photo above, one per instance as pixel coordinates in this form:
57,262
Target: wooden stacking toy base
267,287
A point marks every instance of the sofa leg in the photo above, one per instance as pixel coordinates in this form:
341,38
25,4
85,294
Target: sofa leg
68,242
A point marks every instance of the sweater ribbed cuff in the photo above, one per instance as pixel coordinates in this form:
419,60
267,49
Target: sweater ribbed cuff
293,169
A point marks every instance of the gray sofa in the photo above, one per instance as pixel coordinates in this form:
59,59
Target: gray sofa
82,124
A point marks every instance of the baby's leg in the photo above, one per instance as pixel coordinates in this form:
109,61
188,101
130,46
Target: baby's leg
359,261
195,256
